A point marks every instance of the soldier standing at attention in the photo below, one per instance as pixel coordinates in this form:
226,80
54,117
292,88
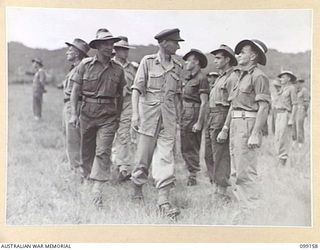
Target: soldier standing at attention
38,88
225,60
77,50
286,109
195,101
100,81
125,150
302,110
250,99
155,112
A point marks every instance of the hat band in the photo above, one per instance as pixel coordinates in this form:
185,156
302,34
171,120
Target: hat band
259,46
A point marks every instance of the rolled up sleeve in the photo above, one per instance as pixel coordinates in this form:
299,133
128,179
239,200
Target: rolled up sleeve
77,76
204,86
141,78
262,90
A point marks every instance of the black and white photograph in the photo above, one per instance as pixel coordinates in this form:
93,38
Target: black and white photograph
159,117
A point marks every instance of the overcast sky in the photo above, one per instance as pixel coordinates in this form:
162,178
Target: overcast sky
284,30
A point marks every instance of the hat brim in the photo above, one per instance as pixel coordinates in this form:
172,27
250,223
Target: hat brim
233,61
33,60
124,47
92,44
292,76
73,45
262,56
202,58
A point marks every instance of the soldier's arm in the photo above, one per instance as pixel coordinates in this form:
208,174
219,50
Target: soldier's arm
294,102
203,107
121,86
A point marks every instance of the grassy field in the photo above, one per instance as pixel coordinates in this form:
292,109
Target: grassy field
41,189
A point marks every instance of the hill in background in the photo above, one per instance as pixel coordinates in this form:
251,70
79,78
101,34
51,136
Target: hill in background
19,62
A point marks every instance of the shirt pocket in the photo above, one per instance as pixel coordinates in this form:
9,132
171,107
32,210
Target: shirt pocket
246,87
155,80
90,82
191,88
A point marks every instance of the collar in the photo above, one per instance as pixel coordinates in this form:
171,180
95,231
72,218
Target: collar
158,61
126,64
226,72
96,59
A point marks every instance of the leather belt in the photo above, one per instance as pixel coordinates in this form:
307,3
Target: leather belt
191,104
219,108
243,114
98,100
67,99
282,110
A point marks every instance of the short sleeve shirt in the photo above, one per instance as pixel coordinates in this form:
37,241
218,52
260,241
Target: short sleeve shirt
251,88
194,86
287,97
129,74
67,84
219,94
39,81
159,86
303,96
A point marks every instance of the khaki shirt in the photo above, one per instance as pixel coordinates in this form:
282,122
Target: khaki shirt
251,87
219,94
67,84
99,81
303,96
287,97
39,80
195,85
129,74
159,86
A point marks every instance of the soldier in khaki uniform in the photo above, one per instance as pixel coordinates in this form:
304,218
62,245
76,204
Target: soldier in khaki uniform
155,97
302,110
195,101
225,60
100,81
38,88
212,77
286,109
125,149
250,99
77,50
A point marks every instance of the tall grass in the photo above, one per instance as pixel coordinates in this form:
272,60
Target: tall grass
42,190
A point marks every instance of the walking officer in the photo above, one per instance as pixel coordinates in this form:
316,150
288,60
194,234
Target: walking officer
195,101
286,109
39,81
224,60
156,96
250,99
77,50
100,81
125,149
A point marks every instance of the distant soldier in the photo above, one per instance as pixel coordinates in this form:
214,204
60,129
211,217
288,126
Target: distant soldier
302,110
155,97
100,81
195,101
225,60
286,109
39,81
125,149
77,50
212,76
274,100
250,99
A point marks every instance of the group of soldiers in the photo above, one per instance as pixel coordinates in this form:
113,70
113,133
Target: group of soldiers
137,110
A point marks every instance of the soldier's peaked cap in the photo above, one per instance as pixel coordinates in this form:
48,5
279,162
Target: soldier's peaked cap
169,34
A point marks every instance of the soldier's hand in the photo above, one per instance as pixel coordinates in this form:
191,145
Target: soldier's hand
254,141
222,136
196,127
135,121
74,121
290,122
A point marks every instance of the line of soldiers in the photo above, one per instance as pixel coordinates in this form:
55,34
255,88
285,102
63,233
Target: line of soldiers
143,108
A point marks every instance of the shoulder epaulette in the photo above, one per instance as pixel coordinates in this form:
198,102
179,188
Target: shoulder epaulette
152,56
176,61
87,60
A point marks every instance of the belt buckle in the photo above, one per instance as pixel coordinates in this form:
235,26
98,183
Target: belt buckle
243,114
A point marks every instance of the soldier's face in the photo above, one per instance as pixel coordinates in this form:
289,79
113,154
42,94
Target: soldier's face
191,62
122,53
220,61
105,48
72,54
171,46
284,79
246,55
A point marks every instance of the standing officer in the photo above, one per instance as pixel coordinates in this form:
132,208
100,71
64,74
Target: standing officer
155,97
125,150
212,76
77,50
302,110
195,101
286,111
100,81
38,88
225,60
250,98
